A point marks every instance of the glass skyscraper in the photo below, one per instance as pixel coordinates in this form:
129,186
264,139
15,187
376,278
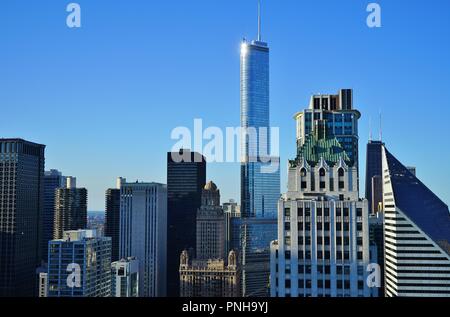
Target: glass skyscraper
21,193
260,191
260,188
374,188
186,177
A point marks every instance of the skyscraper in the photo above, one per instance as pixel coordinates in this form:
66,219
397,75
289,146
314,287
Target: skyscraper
210,225
374,189
260,188
21,204
125,278
143,225
79,265
53,180
416,235
186,177
323,236
112,217
208,274
70,208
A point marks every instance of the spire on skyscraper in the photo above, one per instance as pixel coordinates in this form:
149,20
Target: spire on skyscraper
259,20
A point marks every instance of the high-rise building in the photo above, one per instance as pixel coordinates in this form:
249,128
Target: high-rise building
143,225
209,278
208,274
53,180
374,188
416,235
323,236
70,208
79,265
260,190
125,278
21,204
232,211
260,185
210,225
377,194
186,177
112,217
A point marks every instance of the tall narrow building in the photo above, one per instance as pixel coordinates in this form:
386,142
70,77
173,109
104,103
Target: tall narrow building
260,186
53,180
70,208
210,225
112,217
209,274
416,235
374,187
323,236
186,177
21,204
143,224
79,265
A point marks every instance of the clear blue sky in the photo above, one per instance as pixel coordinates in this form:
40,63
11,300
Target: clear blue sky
104,98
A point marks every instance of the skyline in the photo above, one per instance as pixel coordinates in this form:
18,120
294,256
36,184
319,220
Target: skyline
50,71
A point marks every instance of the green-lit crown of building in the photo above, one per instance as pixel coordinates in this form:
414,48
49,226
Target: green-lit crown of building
315,149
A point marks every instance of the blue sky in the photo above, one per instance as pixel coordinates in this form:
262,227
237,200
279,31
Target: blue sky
104,98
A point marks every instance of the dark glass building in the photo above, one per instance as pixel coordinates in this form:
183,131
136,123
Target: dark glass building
186,177
112,220
53,179
374,188
70,210
21,203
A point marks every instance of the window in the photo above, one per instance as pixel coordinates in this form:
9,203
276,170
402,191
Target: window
322,172
287,212
288,283
359,212
303,172
341,172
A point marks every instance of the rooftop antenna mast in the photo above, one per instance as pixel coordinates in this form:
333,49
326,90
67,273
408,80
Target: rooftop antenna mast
381,129
259,20
370,128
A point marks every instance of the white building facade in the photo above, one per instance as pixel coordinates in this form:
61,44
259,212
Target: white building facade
416,235
125,278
